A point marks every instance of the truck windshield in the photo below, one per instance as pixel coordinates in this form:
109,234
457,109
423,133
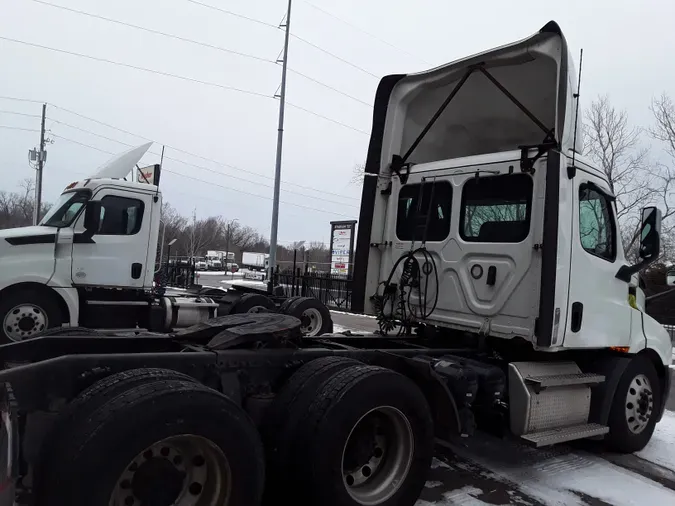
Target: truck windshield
66,209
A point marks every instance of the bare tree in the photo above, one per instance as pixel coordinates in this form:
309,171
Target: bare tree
358,173
615,146
634,179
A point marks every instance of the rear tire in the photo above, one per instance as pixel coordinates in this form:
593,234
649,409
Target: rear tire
26,311
169,437
282,419
635,408
314,316
56,445
367,438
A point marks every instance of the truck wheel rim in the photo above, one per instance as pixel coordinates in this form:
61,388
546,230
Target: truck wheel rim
311,322
377,456
184,470
25,321
639,404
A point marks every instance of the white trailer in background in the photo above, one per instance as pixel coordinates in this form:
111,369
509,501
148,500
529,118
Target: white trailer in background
255,261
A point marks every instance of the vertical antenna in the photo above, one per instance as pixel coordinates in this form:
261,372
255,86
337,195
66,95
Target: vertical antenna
576,116
280,139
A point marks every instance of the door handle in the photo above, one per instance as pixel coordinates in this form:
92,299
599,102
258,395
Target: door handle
136,270
577,316
491,276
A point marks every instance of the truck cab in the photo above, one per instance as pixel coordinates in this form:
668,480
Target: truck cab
481,220
96,245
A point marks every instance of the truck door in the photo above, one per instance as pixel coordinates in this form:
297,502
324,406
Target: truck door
598,314
481,236
117,253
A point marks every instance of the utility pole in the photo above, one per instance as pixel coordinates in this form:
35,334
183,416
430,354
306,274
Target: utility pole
280,140
41,157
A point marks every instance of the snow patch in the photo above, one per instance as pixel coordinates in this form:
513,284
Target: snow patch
661,448
558,477
338,329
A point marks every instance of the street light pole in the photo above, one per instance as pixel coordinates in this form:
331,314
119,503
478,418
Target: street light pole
280,140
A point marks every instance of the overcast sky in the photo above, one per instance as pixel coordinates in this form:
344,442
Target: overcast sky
628,48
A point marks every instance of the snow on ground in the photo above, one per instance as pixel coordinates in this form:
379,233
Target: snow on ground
661,448
501,469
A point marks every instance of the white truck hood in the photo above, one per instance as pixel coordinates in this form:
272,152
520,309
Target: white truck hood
22,234
537,71
121,165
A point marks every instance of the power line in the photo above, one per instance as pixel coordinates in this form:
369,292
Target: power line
199,43
108,125
135,67
10,127
210,183
22,100
327,118
256,195
67,139
62,123
323,199
330,87
386,43
156,32
333,55
201,167
276,27
21,114
241,16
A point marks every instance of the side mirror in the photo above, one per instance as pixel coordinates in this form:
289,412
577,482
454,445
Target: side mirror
650,243
92,216
650,234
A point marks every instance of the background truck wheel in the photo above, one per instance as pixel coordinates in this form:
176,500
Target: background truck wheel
635,408
253,303
284,305
25,312
161,443
367,438
280,425
314,317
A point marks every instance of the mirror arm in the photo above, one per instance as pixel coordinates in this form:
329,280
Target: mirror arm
626,271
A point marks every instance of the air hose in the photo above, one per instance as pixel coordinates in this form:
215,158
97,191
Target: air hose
414,278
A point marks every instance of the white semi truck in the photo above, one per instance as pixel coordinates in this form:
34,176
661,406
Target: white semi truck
487,248
90,262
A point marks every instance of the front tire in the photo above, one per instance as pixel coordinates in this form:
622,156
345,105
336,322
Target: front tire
176,438
635,408
26,312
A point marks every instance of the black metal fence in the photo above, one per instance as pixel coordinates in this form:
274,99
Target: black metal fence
335,291
177,274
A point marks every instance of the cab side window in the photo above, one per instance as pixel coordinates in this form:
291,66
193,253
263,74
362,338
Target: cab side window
597,231
120,216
